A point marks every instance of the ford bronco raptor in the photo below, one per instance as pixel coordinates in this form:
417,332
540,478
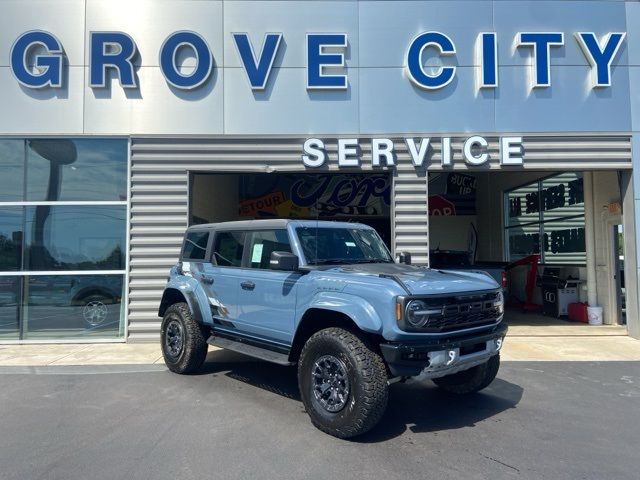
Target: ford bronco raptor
329,298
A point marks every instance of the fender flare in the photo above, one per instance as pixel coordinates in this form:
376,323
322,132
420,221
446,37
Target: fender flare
187,287
356,308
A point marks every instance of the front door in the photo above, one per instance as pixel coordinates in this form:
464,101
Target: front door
267,298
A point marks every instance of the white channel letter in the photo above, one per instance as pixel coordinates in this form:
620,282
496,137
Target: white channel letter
418,154
314,153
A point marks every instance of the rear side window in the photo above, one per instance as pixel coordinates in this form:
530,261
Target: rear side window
195,246
228,249
263,243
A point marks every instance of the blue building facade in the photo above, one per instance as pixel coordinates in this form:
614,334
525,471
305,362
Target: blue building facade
123,122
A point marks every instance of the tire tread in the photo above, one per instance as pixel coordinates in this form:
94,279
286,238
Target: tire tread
195,342
373,371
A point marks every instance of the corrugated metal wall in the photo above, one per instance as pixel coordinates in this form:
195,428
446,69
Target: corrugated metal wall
159,193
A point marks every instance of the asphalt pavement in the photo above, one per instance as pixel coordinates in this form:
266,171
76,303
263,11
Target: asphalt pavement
242,419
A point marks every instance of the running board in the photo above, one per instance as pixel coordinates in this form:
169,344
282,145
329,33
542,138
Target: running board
256,352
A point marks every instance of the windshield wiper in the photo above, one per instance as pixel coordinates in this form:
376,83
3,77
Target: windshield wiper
329,261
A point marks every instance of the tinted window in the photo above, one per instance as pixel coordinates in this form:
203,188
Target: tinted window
9,303
265,242
195,245
12,168
73,306
75,238
79,169
10,238
228,249
547,217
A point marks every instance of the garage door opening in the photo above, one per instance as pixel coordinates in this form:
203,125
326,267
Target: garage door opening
528,230
354,197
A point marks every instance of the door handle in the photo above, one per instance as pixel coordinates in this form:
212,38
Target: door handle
207,279
248,285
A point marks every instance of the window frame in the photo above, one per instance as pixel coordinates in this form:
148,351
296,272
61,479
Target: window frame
246,263
208,248
540,222
212,256
124,327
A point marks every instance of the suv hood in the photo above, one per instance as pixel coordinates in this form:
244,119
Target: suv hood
426,281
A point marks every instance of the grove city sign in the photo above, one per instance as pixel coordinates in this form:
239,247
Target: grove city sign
37,59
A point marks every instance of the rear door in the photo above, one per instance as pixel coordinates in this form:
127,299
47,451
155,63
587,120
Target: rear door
267,298
221,277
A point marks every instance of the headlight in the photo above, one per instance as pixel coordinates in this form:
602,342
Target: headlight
499,303
418,312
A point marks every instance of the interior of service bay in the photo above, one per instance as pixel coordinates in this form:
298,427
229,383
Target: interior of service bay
527,229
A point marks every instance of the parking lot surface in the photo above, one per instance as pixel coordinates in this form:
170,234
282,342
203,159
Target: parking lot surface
241,419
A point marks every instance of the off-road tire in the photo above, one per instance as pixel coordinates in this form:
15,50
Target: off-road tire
365,369
194,342
472,380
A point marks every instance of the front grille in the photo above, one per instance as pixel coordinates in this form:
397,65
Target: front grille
460,312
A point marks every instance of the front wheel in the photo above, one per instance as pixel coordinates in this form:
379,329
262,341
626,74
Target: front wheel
184,345
472,380
343,383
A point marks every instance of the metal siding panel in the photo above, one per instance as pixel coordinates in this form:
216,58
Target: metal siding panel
159,200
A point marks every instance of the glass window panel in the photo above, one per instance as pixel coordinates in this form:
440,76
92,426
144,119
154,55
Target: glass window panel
74,306
77,170
12,168
562,196
563,242
228,249
558,231
523,205
524,241
10,238
263,243
195,245
75,238
9,312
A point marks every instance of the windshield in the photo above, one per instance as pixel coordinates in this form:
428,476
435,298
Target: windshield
325,246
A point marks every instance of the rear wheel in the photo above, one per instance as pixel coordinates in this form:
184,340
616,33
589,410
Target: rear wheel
472,380
184,344
343,383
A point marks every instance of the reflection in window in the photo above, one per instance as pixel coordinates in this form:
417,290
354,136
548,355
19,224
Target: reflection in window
9,304
228,248
264,243
12,168
547,217
75,238
195,245
10,238
73,306
79,169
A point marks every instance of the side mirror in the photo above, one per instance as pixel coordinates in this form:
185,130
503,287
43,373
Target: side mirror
286,261
404,257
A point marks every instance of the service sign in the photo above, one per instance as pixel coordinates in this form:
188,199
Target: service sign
383,152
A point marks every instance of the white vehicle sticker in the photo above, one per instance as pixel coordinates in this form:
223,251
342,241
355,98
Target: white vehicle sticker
350,244
256,255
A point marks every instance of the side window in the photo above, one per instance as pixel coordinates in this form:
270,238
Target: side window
263,243
228,249
195,245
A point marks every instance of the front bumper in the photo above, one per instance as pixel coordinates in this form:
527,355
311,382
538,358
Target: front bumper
442,355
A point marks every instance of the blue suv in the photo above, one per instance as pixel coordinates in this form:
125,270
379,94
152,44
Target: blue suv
329,298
